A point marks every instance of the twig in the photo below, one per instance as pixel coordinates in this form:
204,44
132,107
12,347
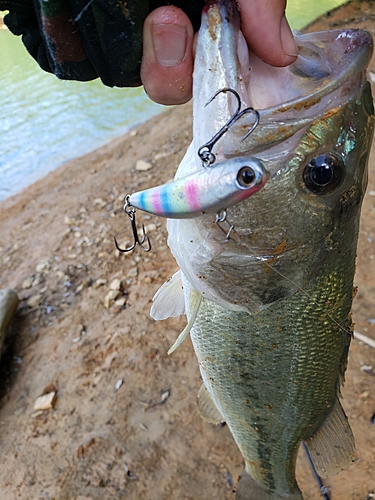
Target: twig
364,339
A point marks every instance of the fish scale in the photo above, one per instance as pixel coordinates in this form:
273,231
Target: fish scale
278,367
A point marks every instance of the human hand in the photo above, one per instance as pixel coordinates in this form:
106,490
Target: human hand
168,46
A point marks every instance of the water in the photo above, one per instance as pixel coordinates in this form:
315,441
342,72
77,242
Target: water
301,12
45,122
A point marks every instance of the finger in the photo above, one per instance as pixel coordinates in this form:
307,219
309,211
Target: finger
167,61
267,31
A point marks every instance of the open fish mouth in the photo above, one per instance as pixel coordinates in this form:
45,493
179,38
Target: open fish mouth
328,71
329,68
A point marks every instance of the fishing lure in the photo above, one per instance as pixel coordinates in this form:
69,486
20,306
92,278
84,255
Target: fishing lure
211,190
207,191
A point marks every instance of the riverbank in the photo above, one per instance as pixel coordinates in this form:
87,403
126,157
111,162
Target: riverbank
123,421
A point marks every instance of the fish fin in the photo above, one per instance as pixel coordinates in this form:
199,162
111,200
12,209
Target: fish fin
332,447
207,408
169,300
249,489
196,300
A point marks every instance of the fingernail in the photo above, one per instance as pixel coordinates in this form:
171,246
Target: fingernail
169,42
287,39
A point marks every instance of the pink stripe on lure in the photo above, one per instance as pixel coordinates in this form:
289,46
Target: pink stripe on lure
208,191
192,194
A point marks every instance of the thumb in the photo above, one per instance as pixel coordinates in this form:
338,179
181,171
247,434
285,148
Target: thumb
167,61
267,31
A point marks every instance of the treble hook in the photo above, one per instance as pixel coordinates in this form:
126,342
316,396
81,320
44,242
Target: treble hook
205,151
130,211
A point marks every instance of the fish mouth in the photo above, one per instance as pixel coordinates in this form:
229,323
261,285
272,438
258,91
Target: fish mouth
327,72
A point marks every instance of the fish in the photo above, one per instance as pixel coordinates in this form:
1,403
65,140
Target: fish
269,307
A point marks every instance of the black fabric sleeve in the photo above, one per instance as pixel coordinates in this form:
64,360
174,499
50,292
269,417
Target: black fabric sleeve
86,39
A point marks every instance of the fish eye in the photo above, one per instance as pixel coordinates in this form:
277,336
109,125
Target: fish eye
246,177
324,173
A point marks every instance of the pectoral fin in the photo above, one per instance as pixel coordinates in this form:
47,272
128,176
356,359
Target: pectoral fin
332,447
196,300
169,300
207,408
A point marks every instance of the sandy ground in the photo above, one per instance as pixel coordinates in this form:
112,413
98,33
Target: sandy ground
124,422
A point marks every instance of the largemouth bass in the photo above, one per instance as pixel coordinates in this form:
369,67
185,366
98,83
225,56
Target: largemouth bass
269,308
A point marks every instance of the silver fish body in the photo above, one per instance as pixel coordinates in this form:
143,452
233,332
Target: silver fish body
272,326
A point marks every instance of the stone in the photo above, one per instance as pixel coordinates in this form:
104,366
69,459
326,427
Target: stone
110,298
120,302
133,272
100,282
143,166
115,284
43,266
34,300
45,402
27,283
150,227
100,202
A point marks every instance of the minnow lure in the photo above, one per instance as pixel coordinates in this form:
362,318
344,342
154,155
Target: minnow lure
208,191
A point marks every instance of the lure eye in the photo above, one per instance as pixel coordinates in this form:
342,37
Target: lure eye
246,177
324,173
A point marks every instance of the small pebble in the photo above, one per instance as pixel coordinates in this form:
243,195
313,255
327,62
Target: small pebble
100,282
43,266
110,298
133,272
34,300
150,227
118,384
142,165
165,395
364,394
80,329
100,202
159,156
45,402
115,284
120,302
27,283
